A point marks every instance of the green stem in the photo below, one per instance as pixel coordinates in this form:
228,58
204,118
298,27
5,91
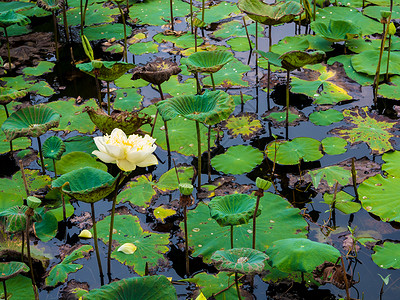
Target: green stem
269,65
55,33
28,248
125,42
64,209
8,115
127,6
202,9
154,124
5,290
231,236
186,239
54,167
41,155
287,99
209,152
259,195
378,68
191,16
388,59
114,201
198,156
23,244
108,99
99,99
172,14
195,39
8,49
237,286
64,11
212,80
247,33
96,245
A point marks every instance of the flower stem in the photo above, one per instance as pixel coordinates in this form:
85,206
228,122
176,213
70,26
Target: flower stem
114,200
41,155
198,156
64,210
8,49
99,100
96,245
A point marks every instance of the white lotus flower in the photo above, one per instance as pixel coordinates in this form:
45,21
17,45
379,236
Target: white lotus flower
126,152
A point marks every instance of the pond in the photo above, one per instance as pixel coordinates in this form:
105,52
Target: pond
330,171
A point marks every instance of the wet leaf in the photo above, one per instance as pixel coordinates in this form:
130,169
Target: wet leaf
143,48
345,60
343,202
390,91
235,29
220,11
47,228
184,41
336,30
387,255
106,31
231,75
334,145
238,159
326,117
59,273
278,116
245,124
77,159
42,68
162,212
367,62
392,163
20,286
375,130
331,174
150,246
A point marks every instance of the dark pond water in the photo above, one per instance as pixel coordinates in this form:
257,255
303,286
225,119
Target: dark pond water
77,84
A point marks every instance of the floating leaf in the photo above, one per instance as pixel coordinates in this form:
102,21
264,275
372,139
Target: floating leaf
106,31
278,116
331,174
238,159
143,288
242,260
278,220
323,90
326,117
208,61
245,124
345,60
379,196
47,228
42,68
230,75
391,90
220,11
367,62
343,202
59,273
300,254
334,145
387,255
150,246
128,99
373,129
109,70
162,212
184,41
143,48
235,29
77,160
336,30
292,152
392,163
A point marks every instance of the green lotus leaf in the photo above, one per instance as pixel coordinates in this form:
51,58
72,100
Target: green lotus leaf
163,212
12,191
75,160
10,17
326,117
157,71
271,14
345,60
363,44
234,209
109,71
211,284
47,228
240,44
220,11
367,62
176,88
184,41
387,255
128,122
336,30
392,163
241,260
245,124
373,129
331,175
271,57
295,59
209,108
20,286
390,90
31,121
50,5
15,218
135,288
11,269
53,148
98,14
181,133
71,118
151,246
367,25
208,61
7,95
292,152
374,12
334,145
106,31
238,159
230,75
379,196
86,184
59,273
302,255
302,43
278,116
278,220
42,68
235,29
143,48
343,202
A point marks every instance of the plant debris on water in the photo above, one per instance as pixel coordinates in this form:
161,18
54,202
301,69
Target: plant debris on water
199,150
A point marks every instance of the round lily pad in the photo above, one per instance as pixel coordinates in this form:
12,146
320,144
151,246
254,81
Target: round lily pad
295,59
10,17
11,269
86,184
367,62
15,218
238,159
334,145
301,255
32,121
209,108
234,209
387,255
292,152
392,163
75,160
208,61
109,70
242,260
157,71
53,148
326,117
336,30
